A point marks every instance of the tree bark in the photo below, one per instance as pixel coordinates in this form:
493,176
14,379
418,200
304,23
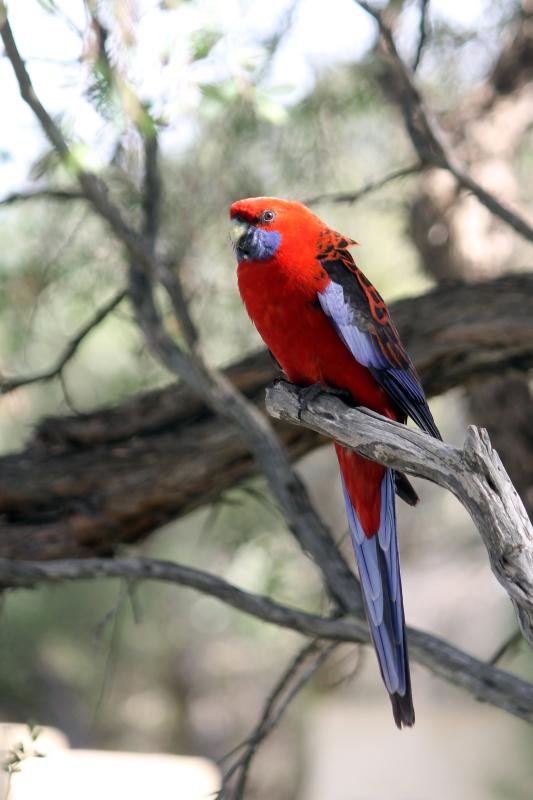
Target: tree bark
88,483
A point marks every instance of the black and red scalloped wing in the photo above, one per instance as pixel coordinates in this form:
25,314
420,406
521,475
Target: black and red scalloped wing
362,321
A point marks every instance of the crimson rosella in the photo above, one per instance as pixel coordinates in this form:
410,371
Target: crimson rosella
325,323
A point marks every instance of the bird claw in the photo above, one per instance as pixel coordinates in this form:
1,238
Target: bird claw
310,393
307,395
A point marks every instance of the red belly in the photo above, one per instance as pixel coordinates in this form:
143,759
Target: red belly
304,341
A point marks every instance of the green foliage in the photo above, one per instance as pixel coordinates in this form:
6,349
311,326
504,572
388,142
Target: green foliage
233,135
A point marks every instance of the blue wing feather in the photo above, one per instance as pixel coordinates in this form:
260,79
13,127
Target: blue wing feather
404,388
356,339
374,344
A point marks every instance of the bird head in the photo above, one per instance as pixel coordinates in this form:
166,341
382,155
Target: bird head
263,227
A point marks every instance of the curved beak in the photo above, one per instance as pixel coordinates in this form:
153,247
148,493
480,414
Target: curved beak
241,235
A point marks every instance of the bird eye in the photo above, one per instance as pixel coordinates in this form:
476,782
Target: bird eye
267,216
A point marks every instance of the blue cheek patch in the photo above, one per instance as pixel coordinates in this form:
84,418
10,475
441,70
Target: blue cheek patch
264,244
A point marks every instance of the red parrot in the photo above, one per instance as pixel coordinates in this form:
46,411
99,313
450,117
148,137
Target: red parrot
325,323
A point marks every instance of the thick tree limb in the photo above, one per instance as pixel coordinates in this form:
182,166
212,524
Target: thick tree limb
461,333
475,475
88,482
484,681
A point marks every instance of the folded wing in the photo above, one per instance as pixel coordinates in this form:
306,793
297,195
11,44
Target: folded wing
362,321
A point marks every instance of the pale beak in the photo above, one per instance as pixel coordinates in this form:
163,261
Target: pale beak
239,233
238,230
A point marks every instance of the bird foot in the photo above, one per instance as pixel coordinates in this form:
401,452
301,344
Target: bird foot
310,393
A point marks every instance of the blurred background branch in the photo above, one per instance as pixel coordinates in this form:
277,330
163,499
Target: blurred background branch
10,384
275,706
482,680
158,118
42,194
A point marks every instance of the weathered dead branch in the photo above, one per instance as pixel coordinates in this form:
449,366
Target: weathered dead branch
474,474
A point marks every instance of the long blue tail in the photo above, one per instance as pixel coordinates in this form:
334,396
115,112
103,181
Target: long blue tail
379,571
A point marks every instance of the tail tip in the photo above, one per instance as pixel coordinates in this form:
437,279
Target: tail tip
403,710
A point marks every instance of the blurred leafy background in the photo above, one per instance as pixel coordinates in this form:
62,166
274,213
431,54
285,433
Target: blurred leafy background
248,98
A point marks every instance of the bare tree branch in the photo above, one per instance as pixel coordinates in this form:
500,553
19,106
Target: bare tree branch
481,680
508,645
422,33
42,194
367,188
9,384
475,475
426,139
30,573
286,688
506,214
